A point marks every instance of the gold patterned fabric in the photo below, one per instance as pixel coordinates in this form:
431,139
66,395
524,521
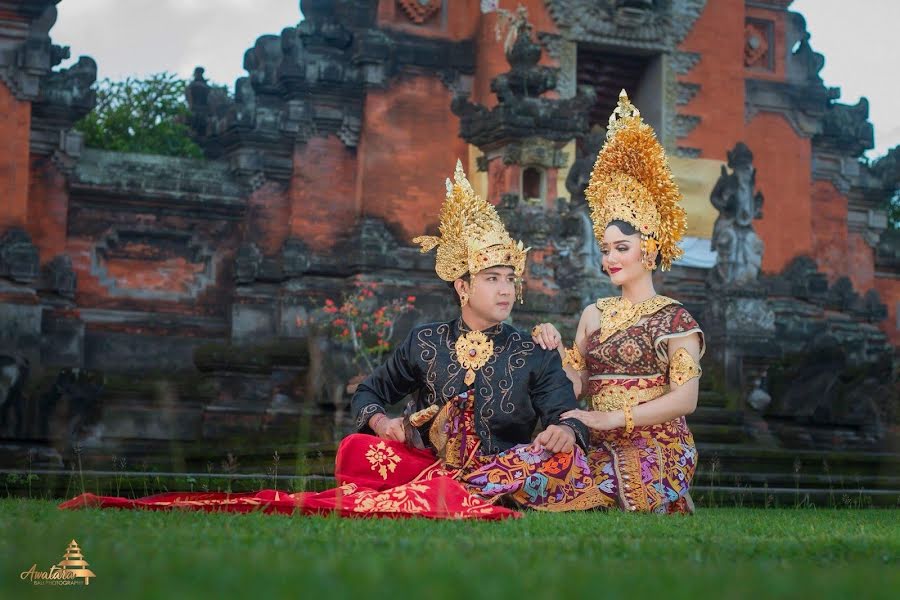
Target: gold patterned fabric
650,468
683,367
574,358
617,397
631,181
618,313
472,236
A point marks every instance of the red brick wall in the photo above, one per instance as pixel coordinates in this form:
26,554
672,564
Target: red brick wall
48,206
783,175
323,195
409,147
778,50
718,35
461,20
15,128
889,291
269,218
829,229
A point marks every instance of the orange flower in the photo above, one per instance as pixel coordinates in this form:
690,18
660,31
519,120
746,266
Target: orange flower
410,299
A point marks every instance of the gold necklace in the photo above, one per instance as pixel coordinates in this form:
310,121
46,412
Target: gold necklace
473,350
619,313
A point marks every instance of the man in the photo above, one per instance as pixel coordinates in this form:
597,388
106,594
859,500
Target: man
479,385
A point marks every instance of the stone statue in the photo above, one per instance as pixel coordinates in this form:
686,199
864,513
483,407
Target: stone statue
739,250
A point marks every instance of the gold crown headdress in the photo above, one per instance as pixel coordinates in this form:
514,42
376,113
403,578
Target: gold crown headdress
472,236
632,182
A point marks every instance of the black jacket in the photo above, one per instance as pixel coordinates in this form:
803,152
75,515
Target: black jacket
520,383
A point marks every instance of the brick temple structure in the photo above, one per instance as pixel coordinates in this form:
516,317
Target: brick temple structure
330,155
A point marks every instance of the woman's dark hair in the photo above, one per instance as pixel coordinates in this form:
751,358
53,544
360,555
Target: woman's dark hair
629,229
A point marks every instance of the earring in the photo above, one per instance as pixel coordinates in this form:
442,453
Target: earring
648,247
463,299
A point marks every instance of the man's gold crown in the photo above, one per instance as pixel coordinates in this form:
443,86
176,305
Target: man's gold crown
472,236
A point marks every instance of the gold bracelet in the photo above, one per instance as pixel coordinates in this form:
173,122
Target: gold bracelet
574,358
629,419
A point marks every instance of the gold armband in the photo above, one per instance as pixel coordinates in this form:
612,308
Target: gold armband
683,368
574,358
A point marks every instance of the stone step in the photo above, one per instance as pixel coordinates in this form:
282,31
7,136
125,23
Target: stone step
717,415
772,497
714,433
710,398
849,482
741,458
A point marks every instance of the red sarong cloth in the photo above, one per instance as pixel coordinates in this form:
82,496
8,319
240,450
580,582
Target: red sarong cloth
394,480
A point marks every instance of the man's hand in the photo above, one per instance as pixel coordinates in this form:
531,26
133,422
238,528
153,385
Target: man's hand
389,429
556,438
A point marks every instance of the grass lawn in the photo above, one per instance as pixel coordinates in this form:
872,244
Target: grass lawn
722,553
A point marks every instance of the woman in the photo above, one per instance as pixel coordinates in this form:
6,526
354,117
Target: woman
635,356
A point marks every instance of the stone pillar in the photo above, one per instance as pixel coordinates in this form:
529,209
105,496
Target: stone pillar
740,323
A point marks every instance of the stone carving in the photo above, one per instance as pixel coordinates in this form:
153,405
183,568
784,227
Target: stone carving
846,128
577,260
872,309
648,24
577,225
803,98
522,112
842,296
750,314
13,377
801,279
247,263
757,44
69,91
181,263
376,244
311,80
739,250
26,52
19,260
60,277
296,258
420,11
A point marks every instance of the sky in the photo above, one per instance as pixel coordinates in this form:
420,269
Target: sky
140,37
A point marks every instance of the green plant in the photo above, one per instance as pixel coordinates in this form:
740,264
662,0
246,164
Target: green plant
141,115
361,321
